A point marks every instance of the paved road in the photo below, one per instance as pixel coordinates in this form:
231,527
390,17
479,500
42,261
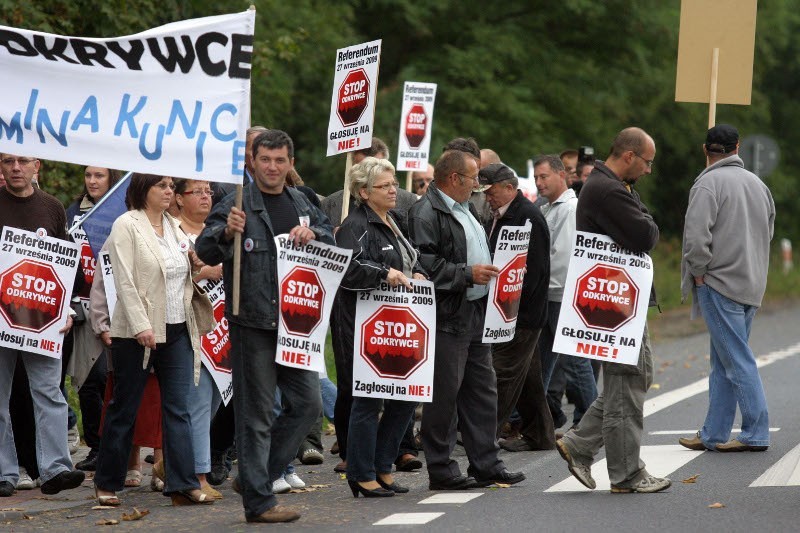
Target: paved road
759,490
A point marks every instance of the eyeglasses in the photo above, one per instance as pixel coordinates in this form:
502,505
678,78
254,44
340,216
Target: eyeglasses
473,178
386,186
9,161
164,186
648,162
200,192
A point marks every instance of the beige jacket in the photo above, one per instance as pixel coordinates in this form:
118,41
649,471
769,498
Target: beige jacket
140,277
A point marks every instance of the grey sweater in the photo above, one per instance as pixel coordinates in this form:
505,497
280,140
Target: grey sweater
728,228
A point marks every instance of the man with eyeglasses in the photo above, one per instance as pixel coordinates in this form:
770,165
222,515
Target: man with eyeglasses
455,253
26,207
608,205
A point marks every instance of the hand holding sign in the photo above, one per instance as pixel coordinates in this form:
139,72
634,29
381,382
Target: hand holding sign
300,235
482,274
395,278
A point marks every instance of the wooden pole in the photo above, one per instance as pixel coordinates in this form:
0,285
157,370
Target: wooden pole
712,98
237,242
346,195
409,185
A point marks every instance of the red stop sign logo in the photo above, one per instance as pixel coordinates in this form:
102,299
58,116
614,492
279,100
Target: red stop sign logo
394,342
508,289
88,265
32,296
606,297
302,295
353,97
215,344
416,125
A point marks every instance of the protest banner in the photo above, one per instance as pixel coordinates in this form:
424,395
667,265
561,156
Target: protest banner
416,125
505,290
104,260
606,294
308,278
37,273
124,102
215,345
395,342
88,264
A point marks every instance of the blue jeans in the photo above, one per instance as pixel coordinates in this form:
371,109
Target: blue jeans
328,397
204,399
734,377
50,410
276,411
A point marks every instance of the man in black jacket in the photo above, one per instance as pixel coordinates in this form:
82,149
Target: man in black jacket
517,362
454,251
609,206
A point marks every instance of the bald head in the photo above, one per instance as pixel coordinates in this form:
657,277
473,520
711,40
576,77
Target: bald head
489,157
632,154
630,140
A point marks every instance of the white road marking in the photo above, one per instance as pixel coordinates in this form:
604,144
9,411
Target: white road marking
407,519
451,497
689,432
668,399
660,461
784,473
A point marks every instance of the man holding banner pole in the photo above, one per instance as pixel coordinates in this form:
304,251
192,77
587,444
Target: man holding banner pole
265,445
609,206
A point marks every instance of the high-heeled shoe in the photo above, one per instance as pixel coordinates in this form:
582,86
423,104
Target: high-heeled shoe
356,487
394,487
108,500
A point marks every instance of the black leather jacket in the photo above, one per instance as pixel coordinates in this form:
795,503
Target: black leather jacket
443,254
258,304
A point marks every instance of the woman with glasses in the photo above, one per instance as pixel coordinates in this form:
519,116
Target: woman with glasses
157,323
381,253
194,199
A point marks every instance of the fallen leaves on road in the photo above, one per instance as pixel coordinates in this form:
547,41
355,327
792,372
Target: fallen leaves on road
503,485
135,515
107,522
692,479
102,507
320,486
12,509
687,365
716,505
76,515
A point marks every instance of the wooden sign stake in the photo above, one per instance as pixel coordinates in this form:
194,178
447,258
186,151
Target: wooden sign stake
712,99
346,192
409,185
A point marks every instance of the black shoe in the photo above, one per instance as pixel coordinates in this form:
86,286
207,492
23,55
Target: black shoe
368,493
408,463
90,463
219,472
6,489
460,482
150,459
505,477
63,481
520,444
394,487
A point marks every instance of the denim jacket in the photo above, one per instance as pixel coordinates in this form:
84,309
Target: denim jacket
258,298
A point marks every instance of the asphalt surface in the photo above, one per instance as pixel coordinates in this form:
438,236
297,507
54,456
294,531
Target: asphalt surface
537,504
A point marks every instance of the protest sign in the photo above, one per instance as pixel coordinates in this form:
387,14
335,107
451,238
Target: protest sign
88,264
104,259
215,345
308,277
395,342
606,294
173,100
37,273
505,290
355,84
416,125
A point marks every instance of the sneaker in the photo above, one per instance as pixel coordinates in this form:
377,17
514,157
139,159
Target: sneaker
294,481
73,439
648,484
90,463
580,471
311,456
25,482
280,486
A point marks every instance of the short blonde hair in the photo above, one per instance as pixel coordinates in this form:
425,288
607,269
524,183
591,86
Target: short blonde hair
364,174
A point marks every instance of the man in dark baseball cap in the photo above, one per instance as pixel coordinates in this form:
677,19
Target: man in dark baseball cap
722,139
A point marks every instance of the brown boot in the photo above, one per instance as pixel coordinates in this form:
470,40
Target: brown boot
276,514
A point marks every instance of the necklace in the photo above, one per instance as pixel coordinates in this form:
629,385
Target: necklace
156,225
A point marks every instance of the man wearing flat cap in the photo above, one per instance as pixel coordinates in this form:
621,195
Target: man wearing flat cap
517,363
728,228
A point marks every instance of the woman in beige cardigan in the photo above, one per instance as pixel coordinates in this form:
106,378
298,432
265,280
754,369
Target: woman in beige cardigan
154,325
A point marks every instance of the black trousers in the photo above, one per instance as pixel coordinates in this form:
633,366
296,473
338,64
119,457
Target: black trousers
91,396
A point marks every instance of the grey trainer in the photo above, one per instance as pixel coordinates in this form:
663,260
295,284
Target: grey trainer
581,472
646,485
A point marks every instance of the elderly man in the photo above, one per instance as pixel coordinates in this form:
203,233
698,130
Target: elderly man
516,362
420,180
454,250
608,205
729,224
29,208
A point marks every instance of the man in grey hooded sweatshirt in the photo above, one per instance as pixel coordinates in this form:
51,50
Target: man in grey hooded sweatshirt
728,228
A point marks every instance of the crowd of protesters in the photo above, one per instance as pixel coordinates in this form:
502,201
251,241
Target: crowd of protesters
139,375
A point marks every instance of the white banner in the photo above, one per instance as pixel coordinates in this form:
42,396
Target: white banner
87,262
108,281
606,295
215,345
37,273
355,84
173,100
308,278
505,291
395,342
416,126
